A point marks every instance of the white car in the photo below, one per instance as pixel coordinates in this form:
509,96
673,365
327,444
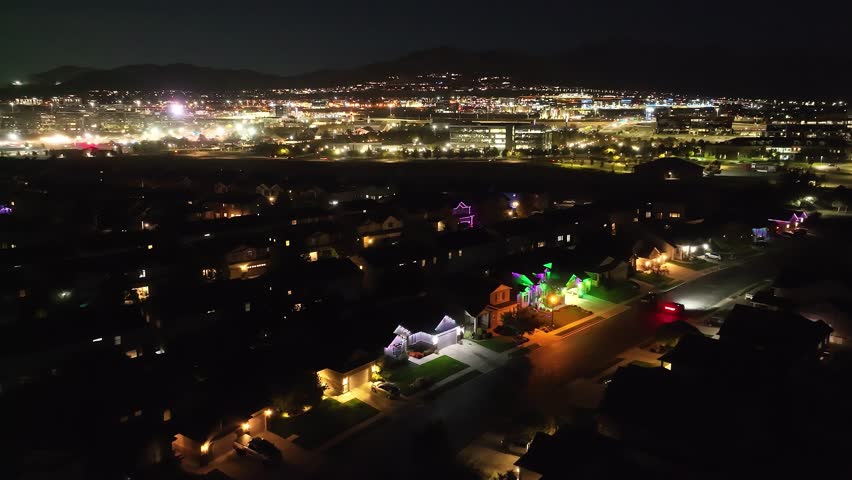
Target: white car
713,256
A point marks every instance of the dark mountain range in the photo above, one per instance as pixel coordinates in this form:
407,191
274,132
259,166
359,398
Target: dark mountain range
700,71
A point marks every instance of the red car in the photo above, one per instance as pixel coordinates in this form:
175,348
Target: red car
672,308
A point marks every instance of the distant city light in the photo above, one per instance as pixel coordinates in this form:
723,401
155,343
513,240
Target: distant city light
13,136
177,109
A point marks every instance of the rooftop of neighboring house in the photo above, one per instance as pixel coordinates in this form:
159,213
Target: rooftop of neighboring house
779,331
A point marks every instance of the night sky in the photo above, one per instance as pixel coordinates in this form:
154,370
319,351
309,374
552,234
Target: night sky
287,37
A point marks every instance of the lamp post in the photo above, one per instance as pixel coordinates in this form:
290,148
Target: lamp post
266,414
553,299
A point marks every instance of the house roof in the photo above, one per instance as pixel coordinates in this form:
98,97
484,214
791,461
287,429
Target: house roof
783,332
573,452
706,355
668,163
422,313
471,292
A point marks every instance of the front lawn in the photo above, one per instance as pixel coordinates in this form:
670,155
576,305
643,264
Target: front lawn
615,294
569,314
435,370
696,264
323,422
660,281
497,343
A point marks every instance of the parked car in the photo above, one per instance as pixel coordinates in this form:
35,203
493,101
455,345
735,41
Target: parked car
258,448
713,256
520,339
517,444
389,389
649,298
800,232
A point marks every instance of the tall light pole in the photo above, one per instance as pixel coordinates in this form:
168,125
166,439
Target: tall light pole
266,414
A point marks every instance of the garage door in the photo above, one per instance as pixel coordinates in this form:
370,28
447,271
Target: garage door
446,339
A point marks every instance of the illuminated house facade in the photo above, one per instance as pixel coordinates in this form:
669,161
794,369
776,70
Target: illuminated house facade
426,326
374,231
548,291
245,263
789,221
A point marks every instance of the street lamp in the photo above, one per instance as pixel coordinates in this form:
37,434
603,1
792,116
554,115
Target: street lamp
266,414
553,299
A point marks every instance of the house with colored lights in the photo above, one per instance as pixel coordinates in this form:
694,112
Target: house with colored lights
464,214
788,221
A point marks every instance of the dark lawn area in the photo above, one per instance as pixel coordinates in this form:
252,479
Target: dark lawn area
323,422
662,282
696,264
566,315
436,370
616,293
497,343
453,383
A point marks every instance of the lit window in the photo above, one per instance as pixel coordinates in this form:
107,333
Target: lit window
247,307
674,214
540,244
423,262
150,247
116,340
131,353
286,243
560,238
143,273
167,415
460,253
647,214
449,255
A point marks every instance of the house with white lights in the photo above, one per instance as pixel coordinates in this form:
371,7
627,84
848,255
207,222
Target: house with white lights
425,327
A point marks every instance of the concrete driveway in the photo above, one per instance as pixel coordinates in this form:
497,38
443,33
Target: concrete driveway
478,357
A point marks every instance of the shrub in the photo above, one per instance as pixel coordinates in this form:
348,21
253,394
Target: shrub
417,355
421,383
488,334
505,330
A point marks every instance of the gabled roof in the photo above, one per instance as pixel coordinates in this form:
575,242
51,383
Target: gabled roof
422,313
472,292
783,332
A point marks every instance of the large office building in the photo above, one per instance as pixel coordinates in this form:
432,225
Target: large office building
706,120
479,136
809,121
531,137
